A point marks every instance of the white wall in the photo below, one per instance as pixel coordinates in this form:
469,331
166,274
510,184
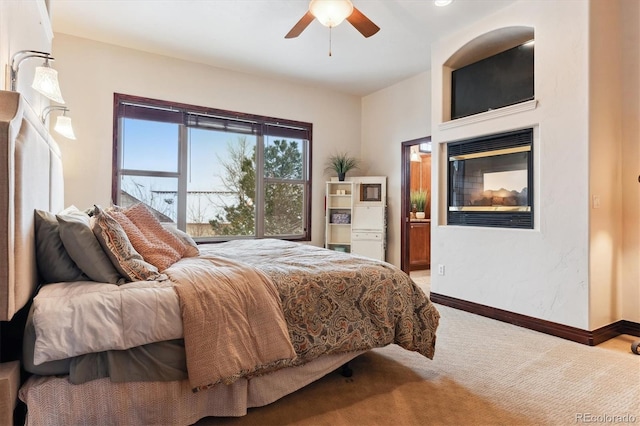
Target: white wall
389,117
24,25
544,272
90,73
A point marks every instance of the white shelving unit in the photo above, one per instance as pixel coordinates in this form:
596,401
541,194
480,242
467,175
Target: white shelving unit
339,210
355,216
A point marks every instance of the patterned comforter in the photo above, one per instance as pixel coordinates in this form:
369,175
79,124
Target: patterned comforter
336,302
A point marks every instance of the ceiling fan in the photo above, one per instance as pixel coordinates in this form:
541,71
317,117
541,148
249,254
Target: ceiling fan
331,13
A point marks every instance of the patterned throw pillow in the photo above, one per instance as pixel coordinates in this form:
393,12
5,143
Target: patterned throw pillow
151,227
121,252
150,247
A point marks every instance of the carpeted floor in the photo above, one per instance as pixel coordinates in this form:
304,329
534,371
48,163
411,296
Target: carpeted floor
485,372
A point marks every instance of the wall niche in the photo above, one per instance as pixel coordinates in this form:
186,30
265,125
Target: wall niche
489,73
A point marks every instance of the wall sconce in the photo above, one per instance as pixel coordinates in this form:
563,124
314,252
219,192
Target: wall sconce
45,80
63,123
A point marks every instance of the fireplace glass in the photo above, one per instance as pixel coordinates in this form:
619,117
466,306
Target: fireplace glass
490,181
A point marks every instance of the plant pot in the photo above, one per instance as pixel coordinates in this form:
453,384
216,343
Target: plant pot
420,215
341,177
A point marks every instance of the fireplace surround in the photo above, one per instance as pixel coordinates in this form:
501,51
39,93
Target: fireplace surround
491,181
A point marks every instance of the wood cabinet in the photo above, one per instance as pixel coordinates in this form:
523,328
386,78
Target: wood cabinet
420,245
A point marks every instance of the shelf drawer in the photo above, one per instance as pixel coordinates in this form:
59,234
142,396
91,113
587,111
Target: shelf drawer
367,236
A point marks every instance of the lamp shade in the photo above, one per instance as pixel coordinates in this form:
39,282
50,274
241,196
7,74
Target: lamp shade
63,126
330,12
46,82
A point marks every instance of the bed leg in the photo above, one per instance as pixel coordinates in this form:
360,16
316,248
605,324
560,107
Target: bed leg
346,371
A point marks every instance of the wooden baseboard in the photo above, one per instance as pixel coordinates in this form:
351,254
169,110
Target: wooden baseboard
629,327
585,337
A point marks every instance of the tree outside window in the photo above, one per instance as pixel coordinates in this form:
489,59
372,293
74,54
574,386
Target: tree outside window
212,175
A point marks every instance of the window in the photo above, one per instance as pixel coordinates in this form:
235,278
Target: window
218,175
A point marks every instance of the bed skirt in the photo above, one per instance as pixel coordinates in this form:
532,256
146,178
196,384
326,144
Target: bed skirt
53,400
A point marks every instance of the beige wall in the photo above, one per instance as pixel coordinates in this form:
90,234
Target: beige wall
629,295
24,25
574,267
543,272
90,73
389,117
605,150
614,161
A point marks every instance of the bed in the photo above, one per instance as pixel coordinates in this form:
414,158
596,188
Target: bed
323,309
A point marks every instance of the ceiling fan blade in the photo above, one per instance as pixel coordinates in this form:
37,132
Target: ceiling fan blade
363,24
300,26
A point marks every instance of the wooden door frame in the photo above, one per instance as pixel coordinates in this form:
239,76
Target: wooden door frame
405,192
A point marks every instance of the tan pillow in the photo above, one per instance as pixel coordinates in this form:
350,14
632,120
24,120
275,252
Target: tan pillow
123,255
151,227
151,248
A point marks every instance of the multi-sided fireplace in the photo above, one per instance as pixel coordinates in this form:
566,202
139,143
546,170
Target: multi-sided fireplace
490,181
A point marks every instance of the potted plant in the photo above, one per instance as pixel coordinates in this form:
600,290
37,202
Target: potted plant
341,163
419,200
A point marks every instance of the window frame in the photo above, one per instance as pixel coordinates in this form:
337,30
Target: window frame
179,113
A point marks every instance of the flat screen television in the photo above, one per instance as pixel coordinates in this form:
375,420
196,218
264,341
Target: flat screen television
494,82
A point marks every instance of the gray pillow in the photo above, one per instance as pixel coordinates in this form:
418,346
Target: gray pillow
191,248
54,263
83,247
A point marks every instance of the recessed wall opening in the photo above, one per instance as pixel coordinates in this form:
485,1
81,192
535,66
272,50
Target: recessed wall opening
490,72
491,180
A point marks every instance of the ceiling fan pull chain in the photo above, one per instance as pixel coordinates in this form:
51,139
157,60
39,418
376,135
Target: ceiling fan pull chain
330,28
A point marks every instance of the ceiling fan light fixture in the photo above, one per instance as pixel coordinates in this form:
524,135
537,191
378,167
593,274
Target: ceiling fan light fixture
331,13
442,3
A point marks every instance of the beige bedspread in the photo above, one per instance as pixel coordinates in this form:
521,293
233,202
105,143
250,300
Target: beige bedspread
232,320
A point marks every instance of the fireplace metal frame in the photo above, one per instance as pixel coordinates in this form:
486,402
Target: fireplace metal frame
487,146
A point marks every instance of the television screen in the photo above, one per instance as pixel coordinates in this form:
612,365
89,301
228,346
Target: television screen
497,81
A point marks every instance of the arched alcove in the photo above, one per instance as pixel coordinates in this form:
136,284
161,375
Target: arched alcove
489,44
482,47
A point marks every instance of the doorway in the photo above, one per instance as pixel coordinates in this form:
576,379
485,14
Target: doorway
415,235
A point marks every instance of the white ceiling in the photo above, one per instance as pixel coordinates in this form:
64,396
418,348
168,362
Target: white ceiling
248,36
